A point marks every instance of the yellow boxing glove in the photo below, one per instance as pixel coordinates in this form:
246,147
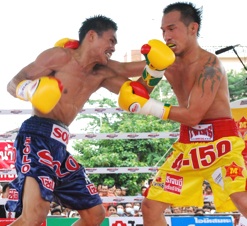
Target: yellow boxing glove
67,43
129,101
134,97
44,93
158,57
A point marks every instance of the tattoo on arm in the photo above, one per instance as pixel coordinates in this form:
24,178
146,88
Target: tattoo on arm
211,71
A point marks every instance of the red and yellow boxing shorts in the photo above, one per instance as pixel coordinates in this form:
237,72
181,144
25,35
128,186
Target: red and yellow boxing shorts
210,151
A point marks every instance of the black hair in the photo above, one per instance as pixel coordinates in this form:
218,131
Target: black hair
98,23
207,207
56,210
189,13
112,205
199,210
5,187
150,180
143,187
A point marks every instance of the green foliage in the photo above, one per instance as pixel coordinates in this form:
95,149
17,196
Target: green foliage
125,153
237,84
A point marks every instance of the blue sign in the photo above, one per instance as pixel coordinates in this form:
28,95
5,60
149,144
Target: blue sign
202,221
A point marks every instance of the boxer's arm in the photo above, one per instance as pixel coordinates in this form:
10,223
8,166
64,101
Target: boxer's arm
127,69
30,84
208,97
158,56
116,73
43,65
30,72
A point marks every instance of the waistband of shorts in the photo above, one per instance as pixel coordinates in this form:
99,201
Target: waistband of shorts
40,125
223,127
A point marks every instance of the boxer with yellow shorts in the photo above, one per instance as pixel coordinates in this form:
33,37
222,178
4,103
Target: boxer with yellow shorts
209,151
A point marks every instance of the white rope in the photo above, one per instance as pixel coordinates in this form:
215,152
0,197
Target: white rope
83,111
10,135
163,158
102,170
122,199
107,136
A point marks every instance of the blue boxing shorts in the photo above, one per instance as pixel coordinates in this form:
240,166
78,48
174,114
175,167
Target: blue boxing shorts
41,154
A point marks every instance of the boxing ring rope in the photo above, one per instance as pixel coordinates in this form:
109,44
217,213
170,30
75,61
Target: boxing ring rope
121,199
107,136
83,111
103,136
104,170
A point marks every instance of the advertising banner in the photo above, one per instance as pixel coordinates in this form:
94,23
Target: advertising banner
8,221
202,221
130,221
138,221
7,160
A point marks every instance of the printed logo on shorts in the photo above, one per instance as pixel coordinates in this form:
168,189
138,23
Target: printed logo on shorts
173,183
47,182
203,132
218,178
234,171
158,182
60,134
92,189
13,195
242,126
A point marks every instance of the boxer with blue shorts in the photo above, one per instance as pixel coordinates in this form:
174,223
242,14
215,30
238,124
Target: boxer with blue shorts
58,83
60,177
